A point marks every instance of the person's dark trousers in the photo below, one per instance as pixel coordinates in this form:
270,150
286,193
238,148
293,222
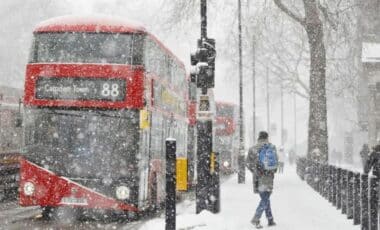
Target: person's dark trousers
264,205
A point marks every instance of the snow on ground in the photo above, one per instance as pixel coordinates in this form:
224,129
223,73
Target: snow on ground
295,206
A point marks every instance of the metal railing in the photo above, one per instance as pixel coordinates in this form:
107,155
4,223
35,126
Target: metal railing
354,193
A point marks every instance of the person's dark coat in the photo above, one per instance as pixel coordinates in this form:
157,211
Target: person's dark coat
373,162
263,181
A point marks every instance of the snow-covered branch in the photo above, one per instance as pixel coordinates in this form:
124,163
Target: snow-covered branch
290,13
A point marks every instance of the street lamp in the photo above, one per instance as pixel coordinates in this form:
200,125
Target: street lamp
241,160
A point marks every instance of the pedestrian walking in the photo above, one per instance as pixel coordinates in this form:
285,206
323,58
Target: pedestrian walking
262,161
373,162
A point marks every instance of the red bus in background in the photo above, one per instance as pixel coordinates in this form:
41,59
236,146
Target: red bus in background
101,97
226,136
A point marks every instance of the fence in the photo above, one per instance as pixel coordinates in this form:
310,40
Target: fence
355,194
9,176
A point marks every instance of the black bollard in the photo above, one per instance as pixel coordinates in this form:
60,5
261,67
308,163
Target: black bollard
344,191
356,193
335,186
323,180
350,194
170,214
373,202
331,183
364,202
316,176
326,182
339,189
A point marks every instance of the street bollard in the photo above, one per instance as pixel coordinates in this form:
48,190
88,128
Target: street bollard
356,193
320,178
316,177
364,202
170,214
339,189
327,182
350,194
344,191
335,186
330,184
373,202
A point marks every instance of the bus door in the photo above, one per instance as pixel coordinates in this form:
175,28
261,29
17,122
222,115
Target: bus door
144,156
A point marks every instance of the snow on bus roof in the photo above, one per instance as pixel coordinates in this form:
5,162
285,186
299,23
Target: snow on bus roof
97,23
89,23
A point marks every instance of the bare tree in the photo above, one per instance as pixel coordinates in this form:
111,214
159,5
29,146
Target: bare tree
313,25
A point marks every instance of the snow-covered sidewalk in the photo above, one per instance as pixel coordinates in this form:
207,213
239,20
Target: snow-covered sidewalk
295,207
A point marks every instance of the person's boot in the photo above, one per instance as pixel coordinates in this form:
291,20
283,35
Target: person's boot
256,223
271,222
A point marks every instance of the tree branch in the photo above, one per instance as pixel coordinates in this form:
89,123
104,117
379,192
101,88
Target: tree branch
326,15
290,13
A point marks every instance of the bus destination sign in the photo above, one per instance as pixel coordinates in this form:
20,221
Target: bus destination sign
80,88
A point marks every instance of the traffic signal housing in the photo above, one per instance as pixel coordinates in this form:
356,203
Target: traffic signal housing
204,61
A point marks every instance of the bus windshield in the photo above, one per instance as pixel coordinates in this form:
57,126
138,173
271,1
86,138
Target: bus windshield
81,143
79,47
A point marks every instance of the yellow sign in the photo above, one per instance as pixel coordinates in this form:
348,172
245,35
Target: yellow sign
144,119
181,168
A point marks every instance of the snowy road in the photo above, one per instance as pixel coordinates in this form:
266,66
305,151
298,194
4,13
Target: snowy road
295,207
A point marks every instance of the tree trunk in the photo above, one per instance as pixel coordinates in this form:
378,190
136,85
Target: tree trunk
318,137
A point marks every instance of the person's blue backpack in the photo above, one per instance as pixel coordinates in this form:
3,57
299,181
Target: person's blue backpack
267,158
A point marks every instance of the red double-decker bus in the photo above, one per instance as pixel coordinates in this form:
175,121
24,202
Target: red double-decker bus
226,136
101,97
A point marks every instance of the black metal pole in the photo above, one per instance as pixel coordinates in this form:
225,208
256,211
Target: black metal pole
241,176
330,184
254,91
350,195
203,19
204,149
326,179
344,191
205,79
364,202
339,189
357,206
374,202
335,186
170,214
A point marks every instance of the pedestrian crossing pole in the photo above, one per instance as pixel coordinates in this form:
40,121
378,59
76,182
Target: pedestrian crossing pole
204,62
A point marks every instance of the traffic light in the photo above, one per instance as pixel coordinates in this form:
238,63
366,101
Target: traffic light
203,60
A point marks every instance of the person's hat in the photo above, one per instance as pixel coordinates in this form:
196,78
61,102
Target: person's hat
263,135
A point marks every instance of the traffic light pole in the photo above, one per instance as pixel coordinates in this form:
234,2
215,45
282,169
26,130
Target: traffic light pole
207,197
203,19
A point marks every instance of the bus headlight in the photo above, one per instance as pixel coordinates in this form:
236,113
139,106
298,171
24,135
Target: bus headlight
226,164
122,192
29,188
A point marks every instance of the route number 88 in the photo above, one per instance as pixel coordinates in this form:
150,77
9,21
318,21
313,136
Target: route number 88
110,90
